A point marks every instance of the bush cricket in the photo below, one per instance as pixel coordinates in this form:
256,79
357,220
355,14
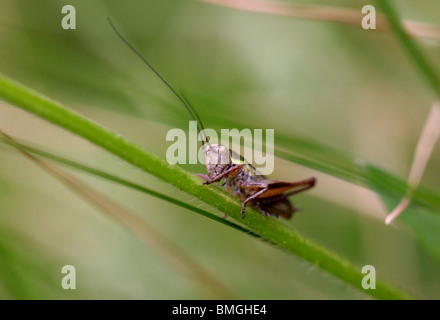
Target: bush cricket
239,177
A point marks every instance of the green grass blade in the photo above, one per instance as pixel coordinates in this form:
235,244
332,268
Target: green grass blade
132,185
269,228
411,48
202,279
421,219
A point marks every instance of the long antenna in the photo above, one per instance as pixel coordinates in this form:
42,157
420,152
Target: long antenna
197,116
187,106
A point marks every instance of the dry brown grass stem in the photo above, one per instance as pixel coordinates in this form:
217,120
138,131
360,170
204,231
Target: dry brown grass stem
326,13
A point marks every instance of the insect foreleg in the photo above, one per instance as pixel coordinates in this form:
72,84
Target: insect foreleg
233,169
203,176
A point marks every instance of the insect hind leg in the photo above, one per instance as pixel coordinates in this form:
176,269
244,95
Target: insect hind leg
251,198
307,184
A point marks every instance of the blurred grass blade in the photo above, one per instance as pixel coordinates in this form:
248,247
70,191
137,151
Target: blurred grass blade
23,274
319,158
424,222
351,171
430,74
129,184
428,138
416,55
324,13
14,283
164,247
272,229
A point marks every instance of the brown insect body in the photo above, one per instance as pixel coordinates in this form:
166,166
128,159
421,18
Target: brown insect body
242,180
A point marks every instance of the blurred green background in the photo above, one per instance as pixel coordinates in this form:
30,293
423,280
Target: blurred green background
342,87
